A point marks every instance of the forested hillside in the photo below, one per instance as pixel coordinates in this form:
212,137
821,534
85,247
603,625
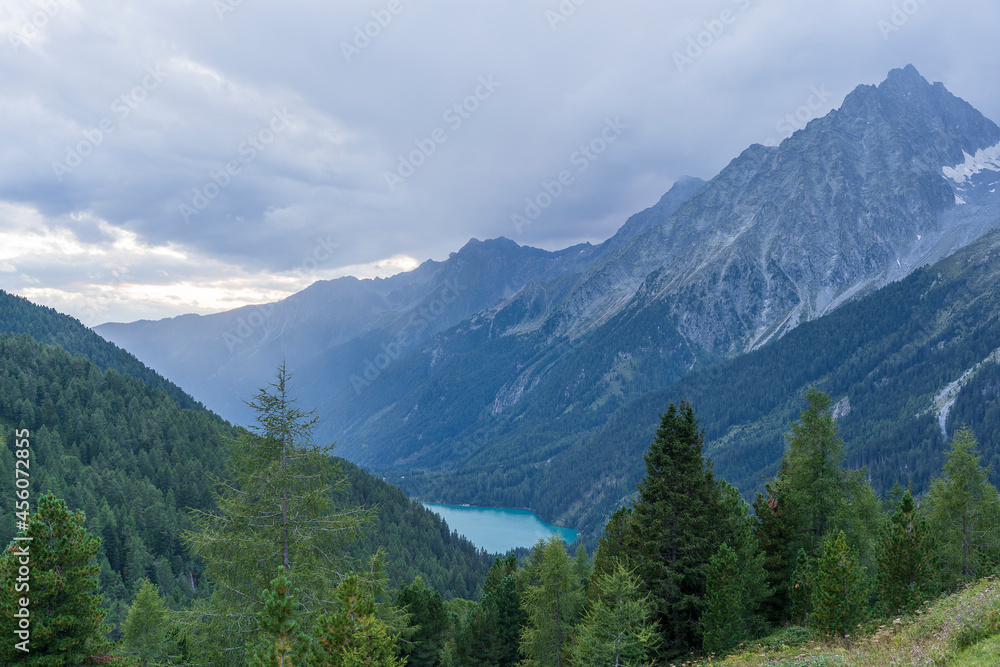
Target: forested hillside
136,463
46,325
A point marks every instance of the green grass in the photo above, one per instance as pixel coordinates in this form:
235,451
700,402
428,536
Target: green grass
961,630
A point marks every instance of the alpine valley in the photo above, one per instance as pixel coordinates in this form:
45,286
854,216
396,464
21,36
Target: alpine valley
858,256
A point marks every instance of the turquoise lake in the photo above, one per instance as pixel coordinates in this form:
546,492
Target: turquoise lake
498,529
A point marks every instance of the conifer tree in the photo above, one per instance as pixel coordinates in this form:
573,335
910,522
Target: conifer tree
674,524
736,526
492,635
67,622
613,546
353,635
800,589
146,630
964,513
427,612
776,533
618,628
839,596
275,510
815,474
905,559
725,615
281,643
552,607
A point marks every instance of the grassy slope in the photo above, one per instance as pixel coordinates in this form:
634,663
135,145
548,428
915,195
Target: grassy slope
962,630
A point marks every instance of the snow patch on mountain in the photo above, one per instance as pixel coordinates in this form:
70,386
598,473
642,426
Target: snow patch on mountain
984,159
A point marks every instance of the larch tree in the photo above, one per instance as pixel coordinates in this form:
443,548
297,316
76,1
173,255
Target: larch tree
618,628
275,510
816,482
552,607
146,636
964,513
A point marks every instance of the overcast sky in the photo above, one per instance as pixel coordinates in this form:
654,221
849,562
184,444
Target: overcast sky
171,156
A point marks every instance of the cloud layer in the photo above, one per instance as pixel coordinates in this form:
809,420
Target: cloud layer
195,155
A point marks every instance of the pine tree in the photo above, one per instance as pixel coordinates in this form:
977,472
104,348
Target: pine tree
552,607
618,628
839,596
964,513
725,615
675,533
354,636
905,559
276,510
146,630
67,622
282,644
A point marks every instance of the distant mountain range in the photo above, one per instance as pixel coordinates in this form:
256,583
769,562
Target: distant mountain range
473,379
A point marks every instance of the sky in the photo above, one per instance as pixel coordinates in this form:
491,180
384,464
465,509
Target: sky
172,156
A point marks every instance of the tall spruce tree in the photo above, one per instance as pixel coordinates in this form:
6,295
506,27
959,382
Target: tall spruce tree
66,620
674,524
906,557
276,510
964,513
